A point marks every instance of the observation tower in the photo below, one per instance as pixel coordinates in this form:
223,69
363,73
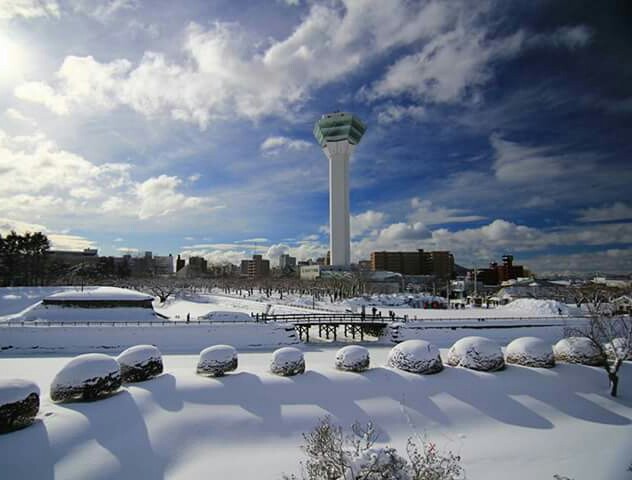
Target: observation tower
338,133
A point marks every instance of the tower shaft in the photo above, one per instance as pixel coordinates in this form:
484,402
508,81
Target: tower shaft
338,154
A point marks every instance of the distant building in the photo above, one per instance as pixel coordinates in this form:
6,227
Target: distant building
71,258
440,263
198,265
310,272
163,265
364,265
496,274
255,268
287,262
180,263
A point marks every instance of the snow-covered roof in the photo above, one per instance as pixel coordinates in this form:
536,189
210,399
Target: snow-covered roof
100,294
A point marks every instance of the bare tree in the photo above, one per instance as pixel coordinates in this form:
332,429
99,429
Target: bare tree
611,335
333,456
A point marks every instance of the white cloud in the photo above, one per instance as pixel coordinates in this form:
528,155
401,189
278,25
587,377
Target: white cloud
159,196
366,222
58,240
103,10
516,163
28,8
395,113
605,261
7,225
273,144
225,73
39,92
83,84
39,179
616,211
69,242
489,241
427,213
275,251
18,116
460,59
194,178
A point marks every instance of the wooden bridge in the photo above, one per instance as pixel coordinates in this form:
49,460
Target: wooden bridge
355,324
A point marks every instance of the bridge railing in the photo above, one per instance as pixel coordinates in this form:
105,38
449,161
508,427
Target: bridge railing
296,318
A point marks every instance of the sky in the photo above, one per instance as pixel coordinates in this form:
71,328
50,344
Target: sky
185,127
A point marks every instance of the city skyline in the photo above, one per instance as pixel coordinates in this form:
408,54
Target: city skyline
187,129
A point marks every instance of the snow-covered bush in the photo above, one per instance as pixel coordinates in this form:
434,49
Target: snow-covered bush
353,358
476,353
287,361
577,350
86,377
618,348
530,352
332,455
217,360
19,404
140,363
416,356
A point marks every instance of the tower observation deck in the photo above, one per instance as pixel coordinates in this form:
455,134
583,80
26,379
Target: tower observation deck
338,133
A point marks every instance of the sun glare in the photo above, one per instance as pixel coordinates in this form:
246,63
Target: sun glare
11,58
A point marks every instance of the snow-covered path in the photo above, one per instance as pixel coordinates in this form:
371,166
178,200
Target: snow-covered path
530,423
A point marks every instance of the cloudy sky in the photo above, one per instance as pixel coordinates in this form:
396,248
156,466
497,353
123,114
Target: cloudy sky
186,127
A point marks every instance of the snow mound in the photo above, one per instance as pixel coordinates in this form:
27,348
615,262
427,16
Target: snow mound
476,353
287,361
19,404
59,314
86,377
416,356
395,300
532,307
140,363
353,358
220,316
577,350
100,294
530,352
215,361
618,348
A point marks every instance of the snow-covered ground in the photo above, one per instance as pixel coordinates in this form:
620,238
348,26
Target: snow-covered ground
520,423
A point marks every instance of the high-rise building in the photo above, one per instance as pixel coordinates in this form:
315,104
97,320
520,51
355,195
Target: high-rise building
257,267
287,262
440,263
496,274
338,133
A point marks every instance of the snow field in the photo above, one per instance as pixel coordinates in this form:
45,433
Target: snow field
531,422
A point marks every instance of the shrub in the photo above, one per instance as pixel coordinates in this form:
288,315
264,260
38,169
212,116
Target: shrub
332,455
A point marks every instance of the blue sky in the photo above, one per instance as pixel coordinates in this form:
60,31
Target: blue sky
186,127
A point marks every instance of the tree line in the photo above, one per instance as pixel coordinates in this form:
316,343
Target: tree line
23,259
